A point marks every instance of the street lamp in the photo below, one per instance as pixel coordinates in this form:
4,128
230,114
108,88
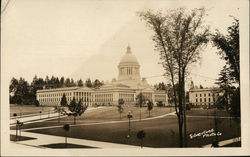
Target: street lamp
40,114
18,127
66,128
129,116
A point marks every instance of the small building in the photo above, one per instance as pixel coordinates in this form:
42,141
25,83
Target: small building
127,87
203,97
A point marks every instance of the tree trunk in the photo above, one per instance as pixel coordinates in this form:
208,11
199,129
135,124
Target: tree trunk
16,132
58,117
180,96
180,132
66,140
184,110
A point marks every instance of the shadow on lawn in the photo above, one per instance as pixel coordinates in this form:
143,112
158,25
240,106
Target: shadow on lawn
22,138
69,145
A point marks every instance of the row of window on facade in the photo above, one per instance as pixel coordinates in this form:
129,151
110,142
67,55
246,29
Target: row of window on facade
86,99
129,70
205,100
160,98
54,95
66,94
205,94
104,97
127,97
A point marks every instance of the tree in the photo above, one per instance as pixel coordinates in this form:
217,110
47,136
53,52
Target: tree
67,82
97,84
12,90
77,109
62,82
120,107
80,83
72,83
63,101
140,99
150,106
57,83
59,110
229,48
229,51
225,83
179,37
88,83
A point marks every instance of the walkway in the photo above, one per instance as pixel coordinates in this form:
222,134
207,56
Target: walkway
225,142
42,139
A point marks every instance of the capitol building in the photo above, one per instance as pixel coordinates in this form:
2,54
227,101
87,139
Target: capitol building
127,86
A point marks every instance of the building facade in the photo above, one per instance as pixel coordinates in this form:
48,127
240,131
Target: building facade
204,97
128,85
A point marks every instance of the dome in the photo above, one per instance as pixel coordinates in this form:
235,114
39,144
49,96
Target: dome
128,58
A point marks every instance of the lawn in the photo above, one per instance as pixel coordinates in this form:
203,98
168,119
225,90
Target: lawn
102,115
160,133
27,109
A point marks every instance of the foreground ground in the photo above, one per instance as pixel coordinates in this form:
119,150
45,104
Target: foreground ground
105,125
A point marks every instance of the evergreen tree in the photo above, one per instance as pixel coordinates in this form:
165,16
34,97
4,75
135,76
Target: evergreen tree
57,83
97,83
120,107
150,106
229,46
67,82
72,83
63,100
80,83
47,81
225,83
88,83
77,109
62,82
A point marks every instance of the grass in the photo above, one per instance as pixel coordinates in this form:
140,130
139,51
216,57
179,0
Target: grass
160,133
101,115
63,145
27,109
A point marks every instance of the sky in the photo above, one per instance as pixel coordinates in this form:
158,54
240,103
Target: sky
86,39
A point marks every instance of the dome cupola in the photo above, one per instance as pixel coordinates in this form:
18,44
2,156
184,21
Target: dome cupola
129,67
128,58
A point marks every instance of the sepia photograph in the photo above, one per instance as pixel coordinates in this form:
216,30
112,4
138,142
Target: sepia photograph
142,77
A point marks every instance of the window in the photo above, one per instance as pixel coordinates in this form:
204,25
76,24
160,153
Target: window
204,94
200,99
200,95
208,94
196,100
196,95
209,100
205,100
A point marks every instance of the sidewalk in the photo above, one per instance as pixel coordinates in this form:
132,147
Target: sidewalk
225,142
50,139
